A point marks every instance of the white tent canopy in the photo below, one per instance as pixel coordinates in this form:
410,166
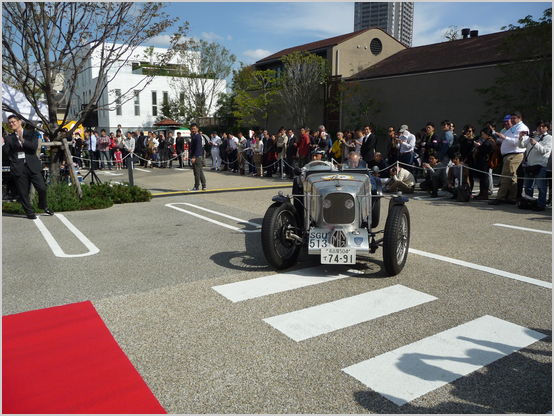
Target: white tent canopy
17,100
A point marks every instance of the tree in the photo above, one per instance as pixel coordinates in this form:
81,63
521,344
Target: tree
205,67
41,41
450,34
358,106
257,99
525,82
304,72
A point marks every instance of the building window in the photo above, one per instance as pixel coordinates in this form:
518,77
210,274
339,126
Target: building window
137,103
165,98
182,102
118,102
376,46
154,103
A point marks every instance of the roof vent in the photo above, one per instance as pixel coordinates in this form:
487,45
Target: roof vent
375,46
465,33
474,33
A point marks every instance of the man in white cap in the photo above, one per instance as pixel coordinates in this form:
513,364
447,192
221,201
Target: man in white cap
405,145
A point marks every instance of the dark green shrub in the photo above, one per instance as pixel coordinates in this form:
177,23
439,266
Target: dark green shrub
63,197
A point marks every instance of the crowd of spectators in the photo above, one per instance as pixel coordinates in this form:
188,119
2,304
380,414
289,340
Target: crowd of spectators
446,163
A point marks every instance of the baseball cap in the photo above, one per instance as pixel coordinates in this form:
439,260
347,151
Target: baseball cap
402,128
507,118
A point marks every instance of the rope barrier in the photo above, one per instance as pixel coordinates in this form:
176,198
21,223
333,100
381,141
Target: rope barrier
285,163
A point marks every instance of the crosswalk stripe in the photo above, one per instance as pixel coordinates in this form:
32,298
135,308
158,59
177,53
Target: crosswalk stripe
328,317
267,285
409,372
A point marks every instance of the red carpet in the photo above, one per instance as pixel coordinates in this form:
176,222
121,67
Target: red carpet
65,360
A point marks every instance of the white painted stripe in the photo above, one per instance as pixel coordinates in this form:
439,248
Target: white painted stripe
143,170
502,273
420,198
268,285
329,317
172,205
524,229
222,215
409,372
54,244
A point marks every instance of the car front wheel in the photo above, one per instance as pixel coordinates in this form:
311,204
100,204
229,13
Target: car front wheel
397,239
280,249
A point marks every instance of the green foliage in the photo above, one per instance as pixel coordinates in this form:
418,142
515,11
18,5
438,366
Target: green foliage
525,82
62,197
299,85
256,101
358,105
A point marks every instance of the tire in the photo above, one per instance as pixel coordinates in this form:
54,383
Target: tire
280,251
375,212
397,239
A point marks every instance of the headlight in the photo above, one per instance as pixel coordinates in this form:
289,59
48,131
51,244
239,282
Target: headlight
349,204
326,203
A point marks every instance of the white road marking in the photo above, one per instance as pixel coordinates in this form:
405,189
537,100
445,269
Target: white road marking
429,197
268,285
332,316
524,229
409,372
54,244
143,170
502,273
258,226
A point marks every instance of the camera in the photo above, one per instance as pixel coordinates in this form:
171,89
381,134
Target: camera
394,171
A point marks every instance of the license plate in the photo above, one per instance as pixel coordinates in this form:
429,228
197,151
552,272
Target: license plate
333,255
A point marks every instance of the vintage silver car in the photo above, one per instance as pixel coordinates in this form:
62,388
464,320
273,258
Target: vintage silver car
334,213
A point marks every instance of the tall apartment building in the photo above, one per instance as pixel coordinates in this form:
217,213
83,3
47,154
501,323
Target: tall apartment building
397,18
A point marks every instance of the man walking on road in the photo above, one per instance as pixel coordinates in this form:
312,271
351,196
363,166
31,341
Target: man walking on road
196,154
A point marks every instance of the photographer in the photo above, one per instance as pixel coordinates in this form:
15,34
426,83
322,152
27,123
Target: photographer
402,180
538,149
434,174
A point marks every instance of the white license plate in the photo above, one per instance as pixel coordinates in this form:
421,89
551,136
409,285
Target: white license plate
333,255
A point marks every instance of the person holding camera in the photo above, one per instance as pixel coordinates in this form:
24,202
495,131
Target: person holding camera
402,180
538,149
512,156
434,174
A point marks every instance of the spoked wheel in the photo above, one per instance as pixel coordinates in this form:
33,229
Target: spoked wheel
280,250
397,239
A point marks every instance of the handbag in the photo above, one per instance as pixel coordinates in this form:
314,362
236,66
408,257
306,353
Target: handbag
532,170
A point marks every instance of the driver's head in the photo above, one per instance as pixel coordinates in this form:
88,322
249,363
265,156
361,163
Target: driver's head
353,160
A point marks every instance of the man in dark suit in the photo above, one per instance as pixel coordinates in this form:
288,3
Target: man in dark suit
369,142
180,148
21,149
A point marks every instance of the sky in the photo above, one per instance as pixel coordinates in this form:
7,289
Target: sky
254,30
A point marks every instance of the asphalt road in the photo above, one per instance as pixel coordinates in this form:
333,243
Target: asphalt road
161,275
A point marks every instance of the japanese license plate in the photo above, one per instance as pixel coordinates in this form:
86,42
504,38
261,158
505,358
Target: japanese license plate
333,255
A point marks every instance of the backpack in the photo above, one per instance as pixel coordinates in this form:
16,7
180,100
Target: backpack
494,160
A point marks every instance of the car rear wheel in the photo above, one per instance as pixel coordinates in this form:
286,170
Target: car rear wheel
280,250
375,212
396,241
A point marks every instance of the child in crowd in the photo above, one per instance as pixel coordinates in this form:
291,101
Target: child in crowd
118,158
154,158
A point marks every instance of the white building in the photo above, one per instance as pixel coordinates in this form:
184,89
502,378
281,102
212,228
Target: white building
127,100
395,18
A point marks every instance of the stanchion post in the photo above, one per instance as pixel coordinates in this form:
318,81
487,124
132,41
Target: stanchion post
130,166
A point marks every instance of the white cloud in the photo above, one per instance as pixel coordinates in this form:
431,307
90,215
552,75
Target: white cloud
229,37
256,55
211,36
323,20
162,41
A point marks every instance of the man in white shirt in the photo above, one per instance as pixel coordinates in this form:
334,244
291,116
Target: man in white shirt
405,145
216,157
512,156
232,152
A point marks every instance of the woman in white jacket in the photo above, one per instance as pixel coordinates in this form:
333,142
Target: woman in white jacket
538,149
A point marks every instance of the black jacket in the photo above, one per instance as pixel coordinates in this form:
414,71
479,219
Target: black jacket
12,148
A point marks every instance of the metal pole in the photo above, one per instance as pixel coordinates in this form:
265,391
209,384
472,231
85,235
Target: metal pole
130,169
